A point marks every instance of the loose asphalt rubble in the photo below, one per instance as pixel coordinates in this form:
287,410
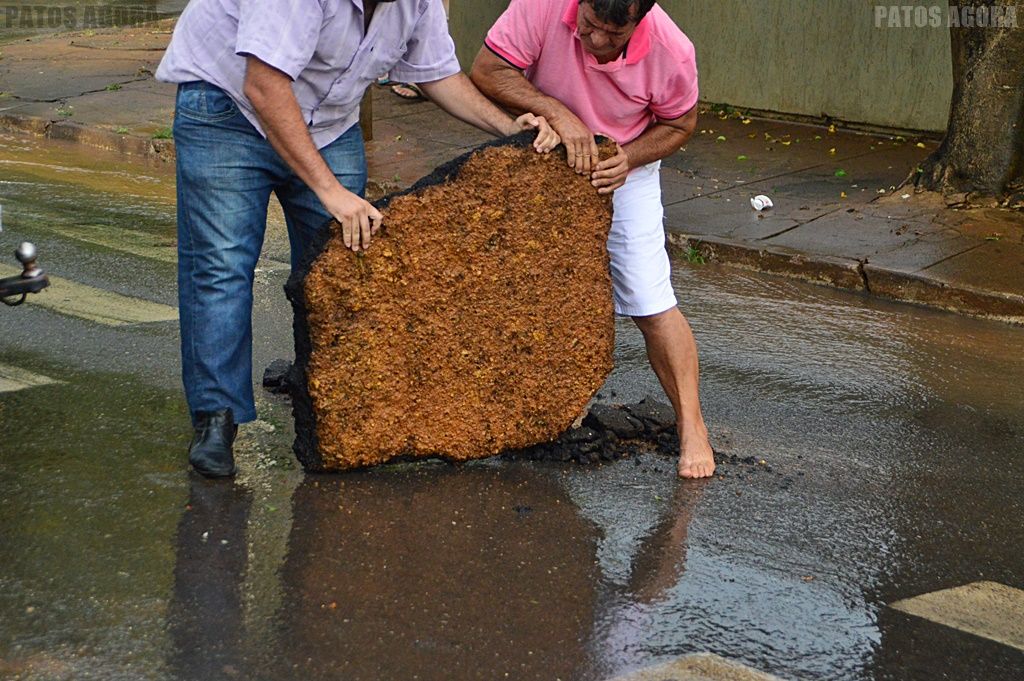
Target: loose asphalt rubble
609,431
841,216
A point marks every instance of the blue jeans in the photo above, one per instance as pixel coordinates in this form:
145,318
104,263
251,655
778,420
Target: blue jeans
226,171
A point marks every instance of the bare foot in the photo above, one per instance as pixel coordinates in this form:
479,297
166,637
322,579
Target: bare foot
696,458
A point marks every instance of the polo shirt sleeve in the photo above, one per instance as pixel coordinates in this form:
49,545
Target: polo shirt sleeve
518,34
430,51
281,33
680,93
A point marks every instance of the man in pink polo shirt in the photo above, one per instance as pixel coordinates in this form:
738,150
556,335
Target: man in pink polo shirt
623,69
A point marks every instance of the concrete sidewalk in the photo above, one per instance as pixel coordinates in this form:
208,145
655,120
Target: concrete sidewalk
839,217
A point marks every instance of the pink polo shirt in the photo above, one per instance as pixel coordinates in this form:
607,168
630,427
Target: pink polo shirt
656,78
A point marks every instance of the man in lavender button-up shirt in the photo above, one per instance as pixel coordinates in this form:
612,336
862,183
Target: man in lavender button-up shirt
268,102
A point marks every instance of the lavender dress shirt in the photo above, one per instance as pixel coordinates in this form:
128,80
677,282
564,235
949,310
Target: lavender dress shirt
320,44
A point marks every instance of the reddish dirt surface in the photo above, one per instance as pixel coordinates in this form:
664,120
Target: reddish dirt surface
479,320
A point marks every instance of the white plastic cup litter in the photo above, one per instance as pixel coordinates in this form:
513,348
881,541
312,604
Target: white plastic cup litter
761,202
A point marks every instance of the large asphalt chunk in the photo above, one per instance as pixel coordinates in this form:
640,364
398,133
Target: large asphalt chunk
479,319
656,416
603,417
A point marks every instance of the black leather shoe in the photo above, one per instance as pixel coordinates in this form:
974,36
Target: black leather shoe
210,452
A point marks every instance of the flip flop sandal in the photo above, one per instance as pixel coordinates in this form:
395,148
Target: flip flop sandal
407,91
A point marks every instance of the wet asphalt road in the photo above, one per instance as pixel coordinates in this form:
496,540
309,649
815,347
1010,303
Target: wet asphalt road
892,440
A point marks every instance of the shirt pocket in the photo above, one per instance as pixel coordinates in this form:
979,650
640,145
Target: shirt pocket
383,58
368,65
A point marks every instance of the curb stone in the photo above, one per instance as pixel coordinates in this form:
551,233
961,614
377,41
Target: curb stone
844,273
855,275
924,290
70,131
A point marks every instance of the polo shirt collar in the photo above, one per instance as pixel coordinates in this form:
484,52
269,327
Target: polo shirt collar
639,42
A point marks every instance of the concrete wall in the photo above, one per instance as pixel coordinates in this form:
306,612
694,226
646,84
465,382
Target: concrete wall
806,57
468,21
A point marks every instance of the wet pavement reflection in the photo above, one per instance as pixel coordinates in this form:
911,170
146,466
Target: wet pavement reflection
475,572
871,452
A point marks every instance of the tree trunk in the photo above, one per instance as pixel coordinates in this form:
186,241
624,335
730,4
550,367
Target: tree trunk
982,154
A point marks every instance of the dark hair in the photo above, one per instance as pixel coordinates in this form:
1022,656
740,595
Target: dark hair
620,12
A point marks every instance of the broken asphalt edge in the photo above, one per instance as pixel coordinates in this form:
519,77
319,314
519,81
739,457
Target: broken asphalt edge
854,275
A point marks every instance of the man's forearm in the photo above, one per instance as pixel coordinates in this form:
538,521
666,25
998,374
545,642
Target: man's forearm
504,84
660,141
270,92
459,97
271,95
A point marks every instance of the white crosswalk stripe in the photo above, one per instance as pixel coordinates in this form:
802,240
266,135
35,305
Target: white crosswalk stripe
141,244
87,302
987,609
14,378
697,667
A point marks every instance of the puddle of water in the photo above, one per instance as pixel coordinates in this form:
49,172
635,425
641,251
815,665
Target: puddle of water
37,165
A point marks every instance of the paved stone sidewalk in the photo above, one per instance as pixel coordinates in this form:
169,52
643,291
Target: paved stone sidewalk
840,217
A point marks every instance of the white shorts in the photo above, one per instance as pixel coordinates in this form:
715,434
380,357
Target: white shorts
641,276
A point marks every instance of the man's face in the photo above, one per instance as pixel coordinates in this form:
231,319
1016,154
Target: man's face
604,40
